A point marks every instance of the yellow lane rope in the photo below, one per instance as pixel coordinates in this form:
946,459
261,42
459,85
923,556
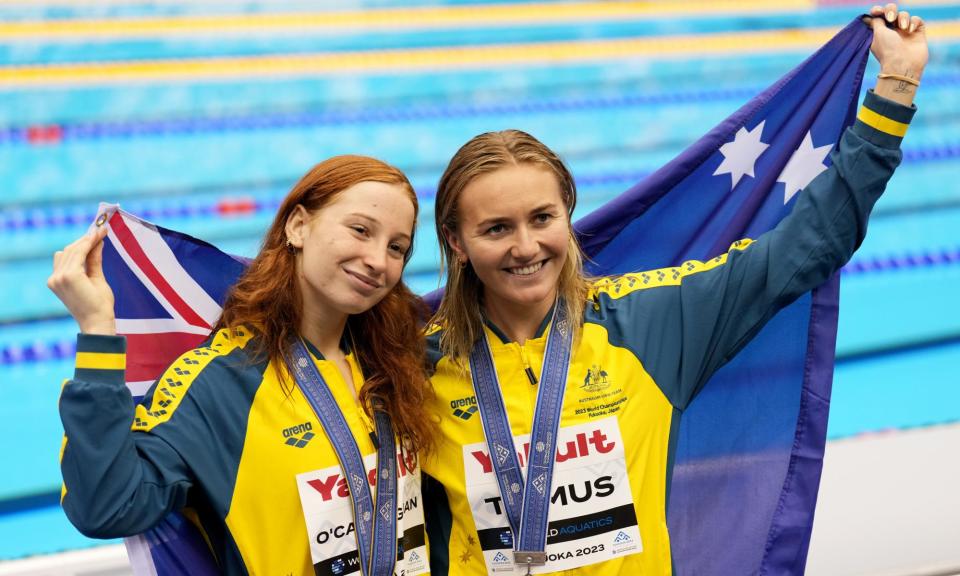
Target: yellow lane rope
392,18
295,65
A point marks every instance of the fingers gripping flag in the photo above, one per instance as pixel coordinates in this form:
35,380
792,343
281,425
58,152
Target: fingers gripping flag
751,444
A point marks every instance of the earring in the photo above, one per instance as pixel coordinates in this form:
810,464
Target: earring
290,246
462,262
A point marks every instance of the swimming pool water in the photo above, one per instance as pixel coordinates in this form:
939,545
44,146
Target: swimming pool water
183,150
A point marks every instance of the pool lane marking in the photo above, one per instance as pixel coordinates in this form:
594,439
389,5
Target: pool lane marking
424,59
387,18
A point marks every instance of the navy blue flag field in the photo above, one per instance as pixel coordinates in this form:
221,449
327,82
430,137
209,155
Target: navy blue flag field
751,444
750,449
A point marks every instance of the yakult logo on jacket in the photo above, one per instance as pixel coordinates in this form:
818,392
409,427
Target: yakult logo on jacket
583,444
334,485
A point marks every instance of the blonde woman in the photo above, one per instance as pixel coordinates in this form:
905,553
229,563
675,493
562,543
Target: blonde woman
519,320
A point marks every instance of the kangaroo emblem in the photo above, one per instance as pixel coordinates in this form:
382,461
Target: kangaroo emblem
596,379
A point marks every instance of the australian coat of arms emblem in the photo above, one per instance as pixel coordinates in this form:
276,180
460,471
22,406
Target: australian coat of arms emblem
596,379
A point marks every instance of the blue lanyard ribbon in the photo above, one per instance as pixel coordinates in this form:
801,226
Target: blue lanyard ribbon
376,531
526,502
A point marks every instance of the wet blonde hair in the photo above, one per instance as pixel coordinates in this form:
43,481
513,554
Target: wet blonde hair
460,310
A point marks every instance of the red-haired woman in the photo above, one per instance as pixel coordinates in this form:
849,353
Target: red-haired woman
318,342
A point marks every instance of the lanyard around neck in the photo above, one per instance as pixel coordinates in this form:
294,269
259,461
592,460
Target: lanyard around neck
526,502
376,529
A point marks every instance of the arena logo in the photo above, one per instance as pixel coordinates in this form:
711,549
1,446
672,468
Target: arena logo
464,408
298,436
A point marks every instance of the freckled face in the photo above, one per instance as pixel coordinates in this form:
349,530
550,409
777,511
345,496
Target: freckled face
513,230
352,250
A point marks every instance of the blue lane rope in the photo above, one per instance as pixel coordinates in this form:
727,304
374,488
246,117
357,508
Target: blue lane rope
123,129
64,349
38,218
392,114
927,259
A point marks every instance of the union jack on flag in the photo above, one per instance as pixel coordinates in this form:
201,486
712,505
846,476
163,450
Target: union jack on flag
169,291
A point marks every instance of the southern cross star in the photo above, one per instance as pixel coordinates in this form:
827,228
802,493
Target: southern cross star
805,164
740,155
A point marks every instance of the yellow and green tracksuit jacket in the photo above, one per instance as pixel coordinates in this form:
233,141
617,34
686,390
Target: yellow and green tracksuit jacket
219,435
650,341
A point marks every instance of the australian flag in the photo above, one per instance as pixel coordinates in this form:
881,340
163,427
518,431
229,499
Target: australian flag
751,444
750,449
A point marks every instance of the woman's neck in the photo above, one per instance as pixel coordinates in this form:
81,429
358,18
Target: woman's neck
323,329
519,322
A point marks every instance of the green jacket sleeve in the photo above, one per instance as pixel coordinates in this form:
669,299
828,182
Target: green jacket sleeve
684,330
116,482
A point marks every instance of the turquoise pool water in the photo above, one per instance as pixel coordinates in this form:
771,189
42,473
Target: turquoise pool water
179,152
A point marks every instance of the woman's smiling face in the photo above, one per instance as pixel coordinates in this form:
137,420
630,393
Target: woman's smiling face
352,250
513,230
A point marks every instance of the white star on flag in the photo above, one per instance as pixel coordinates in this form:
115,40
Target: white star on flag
805,164
740,155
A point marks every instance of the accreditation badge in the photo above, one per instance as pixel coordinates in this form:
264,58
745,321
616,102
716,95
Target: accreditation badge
328,513
591,516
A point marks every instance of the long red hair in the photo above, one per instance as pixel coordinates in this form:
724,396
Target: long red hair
387,338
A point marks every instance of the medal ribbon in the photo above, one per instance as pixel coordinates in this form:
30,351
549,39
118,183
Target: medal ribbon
526,502
376,531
